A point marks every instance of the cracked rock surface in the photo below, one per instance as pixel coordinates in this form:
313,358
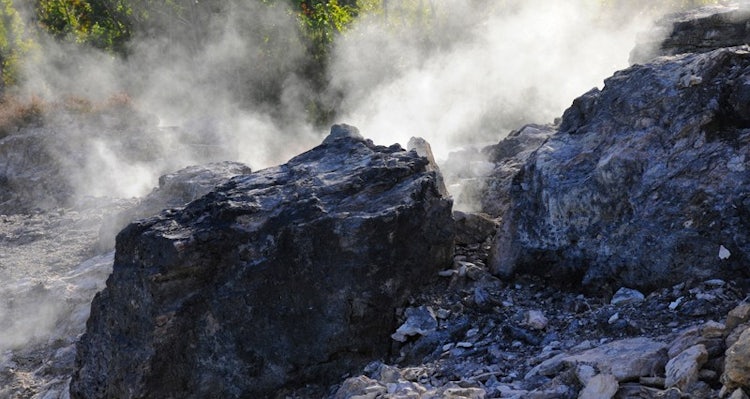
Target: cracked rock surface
274,279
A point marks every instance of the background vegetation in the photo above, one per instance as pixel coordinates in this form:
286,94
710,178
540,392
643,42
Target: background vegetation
113,25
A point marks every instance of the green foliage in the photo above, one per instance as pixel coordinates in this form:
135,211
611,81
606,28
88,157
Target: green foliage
104,24
191,25
14,43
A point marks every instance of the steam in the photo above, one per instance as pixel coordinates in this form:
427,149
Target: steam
503,66
466,74
458,74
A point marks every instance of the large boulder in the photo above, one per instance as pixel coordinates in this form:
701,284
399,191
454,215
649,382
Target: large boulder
283,277
645,184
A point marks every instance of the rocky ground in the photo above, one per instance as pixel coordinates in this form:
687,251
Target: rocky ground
470,335
475,336
49,272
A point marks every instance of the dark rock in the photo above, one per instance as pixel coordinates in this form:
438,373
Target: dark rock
645,187
473,228
286,276
175,189
695,31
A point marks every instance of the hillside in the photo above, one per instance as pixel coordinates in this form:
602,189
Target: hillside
603,255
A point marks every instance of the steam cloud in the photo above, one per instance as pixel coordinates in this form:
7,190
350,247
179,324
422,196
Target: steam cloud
481,69
477,71
503,66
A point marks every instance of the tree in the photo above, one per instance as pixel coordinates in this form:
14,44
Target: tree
14,43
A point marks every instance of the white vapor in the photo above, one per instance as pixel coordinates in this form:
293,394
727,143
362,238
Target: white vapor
465,73
502,66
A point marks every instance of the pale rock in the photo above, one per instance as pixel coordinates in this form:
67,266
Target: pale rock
355,387
464,393
657,382
535,319
601,386
735,334
419,321
737,363
740,314
584,373
625,359
625,296
738,394
674,304
682,370
713,329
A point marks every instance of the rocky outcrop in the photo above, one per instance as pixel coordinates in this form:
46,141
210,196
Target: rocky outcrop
695,31
508,157
278,278
644,185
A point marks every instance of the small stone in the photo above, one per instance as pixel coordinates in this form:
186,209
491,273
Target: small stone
600,386
464,344
713,329
738,394
612,319
354,386
625,296
464,393
656,382
388,374
715,282
535,319
707,375
682,370
481,296
447,273
674,304
584,373
442,314
419,321
724,253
